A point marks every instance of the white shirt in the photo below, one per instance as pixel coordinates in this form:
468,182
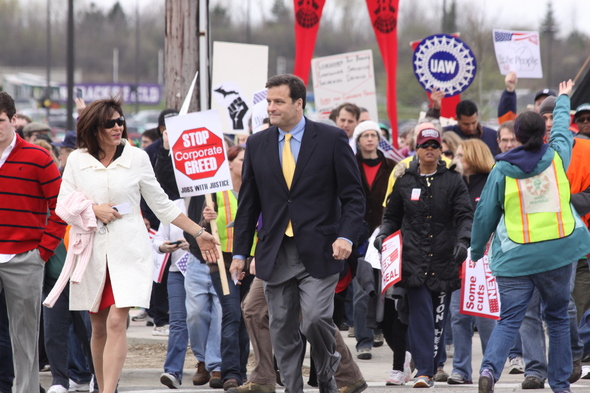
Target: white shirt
7,257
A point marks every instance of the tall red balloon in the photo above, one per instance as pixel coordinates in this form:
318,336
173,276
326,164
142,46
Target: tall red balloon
307,22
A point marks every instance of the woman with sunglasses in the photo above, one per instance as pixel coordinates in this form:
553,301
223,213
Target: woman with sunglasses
109,173
476,161
430,204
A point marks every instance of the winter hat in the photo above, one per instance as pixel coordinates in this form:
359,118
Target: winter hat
547,105
366,125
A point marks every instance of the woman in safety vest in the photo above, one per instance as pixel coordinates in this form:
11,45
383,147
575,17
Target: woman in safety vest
538,236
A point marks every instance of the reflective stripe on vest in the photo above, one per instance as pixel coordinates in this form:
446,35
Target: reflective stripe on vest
538,208
227,205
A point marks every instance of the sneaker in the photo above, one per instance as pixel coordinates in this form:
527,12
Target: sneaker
356,387
457,379
215,381
57,389
396,377
576,371
517,365
202,376
78,387
161,330
486,381
351,331
378,340
585,372
408,367
44,368
450,348
532,382
364,353
252,387
170,380
142,316
441,375
423,382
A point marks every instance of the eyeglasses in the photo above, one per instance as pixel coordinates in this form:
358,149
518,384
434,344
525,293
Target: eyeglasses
448,153
434,145
583,119
111,123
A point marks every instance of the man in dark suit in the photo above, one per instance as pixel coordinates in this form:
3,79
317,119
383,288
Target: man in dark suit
302,177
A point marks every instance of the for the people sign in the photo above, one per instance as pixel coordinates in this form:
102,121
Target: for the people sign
198,153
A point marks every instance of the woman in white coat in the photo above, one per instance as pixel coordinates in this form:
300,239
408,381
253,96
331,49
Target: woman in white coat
113,174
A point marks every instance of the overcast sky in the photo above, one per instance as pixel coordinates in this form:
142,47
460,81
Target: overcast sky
507,13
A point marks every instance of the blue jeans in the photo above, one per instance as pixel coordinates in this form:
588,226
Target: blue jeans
462,326
533,341
515,294
516,349
362,334
235,344
178,336
79,370
57,321
203,315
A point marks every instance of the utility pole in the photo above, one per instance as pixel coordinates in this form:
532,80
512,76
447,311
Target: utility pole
70,65
181,55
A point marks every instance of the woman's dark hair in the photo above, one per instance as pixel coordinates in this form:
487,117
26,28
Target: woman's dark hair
91,122
233,152
529,129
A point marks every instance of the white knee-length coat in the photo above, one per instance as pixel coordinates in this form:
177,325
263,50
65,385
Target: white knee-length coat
123,245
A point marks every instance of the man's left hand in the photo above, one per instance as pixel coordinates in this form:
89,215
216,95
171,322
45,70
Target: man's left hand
341,249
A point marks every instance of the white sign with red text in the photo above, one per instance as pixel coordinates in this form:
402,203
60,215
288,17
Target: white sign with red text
198,153
479,292
347,77
391,261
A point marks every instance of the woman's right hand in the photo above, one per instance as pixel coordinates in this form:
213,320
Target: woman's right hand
106,213
208,246
566,87
378,243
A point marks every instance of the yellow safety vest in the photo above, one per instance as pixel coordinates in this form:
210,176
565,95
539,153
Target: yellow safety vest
538,208
227,205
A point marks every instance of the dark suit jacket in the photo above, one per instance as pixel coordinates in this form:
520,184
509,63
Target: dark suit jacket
325,202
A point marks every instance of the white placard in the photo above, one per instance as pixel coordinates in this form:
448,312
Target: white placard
391,261
239,71
347,77
518,51
372,255
479,292
198,153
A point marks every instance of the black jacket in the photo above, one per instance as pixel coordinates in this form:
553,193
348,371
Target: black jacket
430,226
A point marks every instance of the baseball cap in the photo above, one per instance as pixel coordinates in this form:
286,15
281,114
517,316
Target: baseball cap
69,140
428,134
582,108
544,92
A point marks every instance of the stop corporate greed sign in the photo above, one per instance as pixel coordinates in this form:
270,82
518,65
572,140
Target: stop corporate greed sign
446,62
198,153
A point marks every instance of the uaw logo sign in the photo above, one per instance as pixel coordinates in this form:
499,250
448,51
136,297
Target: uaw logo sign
445,62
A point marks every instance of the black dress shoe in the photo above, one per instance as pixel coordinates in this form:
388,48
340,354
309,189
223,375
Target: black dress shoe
328,386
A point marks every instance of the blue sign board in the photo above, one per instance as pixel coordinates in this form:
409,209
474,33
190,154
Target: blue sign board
146,93
446,62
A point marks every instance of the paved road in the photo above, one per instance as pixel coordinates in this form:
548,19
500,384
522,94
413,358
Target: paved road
375,372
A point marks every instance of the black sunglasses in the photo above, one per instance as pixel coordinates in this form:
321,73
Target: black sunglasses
448,153
111,123
434,145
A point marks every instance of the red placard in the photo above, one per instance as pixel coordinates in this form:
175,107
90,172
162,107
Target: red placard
198,153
